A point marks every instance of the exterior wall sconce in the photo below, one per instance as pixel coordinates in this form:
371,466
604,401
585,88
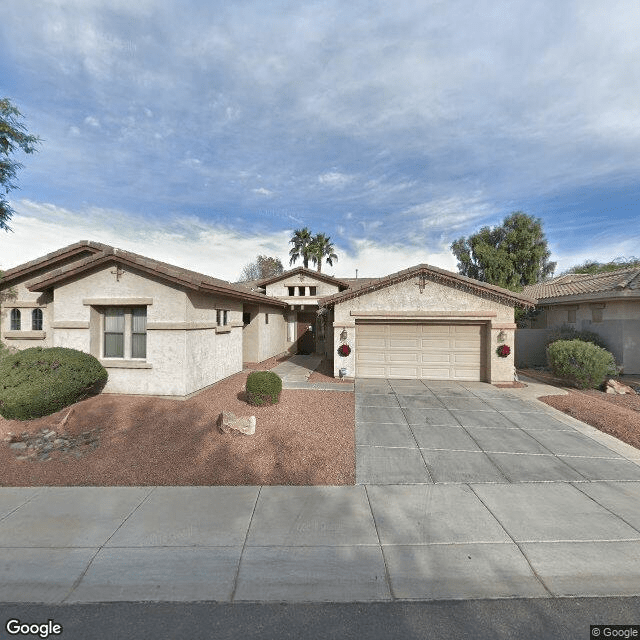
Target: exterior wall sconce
502,336
343,335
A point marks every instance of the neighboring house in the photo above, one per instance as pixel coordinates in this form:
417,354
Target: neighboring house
605,303
164,330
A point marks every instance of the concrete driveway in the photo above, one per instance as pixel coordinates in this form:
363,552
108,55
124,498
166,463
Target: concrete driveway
464,491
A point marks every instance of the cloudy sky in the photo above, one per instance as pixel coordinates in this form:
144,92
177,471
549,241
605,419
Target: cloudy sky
203,133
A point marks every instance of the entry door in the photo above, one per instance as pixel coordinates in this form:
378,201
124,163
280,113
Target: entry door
429,351
305,332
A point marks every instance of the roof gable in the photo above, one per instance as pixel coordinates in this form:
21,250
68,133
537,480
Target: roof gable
162,270
435,274
78,250
310,273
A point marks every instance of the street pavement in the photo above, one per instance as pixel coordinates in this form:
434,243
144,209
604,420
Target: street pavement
464,491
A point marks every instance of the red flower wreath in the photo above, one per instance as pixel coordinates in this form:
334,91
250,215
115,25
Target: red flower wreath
344,350
503,350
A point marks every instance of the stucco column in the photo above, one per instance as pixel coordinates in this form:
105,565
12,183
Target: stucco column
502,369
344,333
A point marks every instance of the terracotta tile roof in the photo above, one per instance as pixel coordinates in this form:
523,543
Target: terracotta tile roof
177,275
583,284
433,273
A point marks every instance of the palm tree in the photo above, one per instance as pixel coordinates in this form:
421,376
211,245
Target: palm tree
301,241
320,248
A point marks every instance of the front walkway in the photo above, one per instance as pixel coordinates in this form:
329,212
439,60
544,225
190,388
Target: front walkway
513,500
295,374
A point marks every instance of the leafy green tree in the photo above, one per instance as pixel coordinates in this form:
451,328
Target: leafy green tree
593,266
512,255
261,267
13,137
321,247
301,241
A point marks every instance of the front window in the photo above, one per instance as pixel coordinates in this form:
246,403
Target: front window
15,319
125,332
292,291
36,320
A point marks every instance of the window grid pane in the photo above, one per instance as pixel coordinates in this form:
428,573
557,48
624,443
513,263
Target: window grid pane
114,321
15,319
139,345
113,345
139,333
114,333
36,320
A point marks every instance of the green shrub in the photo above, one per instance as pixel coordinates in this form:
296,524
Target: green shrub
263,387
37,382
585,364
569,333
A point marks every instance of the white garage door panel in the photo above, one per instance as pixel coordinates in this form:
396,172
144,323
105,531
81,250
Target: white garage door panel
449,352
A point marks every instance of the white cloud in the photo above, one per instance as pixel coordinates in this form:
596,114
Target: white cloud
262,191
189,242
373,259
92,121
334,179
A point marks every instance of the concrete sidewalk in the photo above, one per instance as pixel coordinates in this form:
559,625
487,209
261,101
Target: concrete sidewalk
321,544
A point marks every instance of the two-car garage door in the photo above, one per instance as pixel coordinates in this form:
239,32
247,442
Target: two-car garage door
413,350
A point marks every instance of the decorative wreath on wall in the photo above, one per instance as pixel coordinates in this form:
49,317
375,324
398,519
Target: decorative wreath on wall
503,350
344,350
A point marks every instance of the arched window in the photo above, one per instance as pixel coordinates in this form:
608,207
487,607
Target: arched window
15,319
36,320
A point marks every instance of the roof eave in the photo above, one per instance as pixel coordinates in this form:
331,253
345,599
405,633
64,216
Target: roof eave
598,296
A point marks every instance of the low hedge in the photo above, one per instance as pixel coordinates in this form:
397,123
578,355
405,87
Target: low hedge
263,387
583,363
37,382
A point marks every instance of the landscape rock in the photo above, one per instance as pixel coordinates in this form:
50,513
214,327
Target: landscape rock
228,422
613,386
40,446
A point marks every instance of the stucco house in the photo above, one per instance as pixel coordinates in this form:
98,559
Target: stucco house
604,303
164,330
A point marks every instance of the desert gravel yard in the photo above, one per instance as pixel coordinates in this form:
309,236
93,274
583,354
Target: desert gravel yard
305,439
617,415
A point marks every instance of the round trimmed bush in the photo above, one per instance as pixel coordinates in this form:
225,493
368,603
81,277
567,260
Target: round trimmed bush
585,364
263,387
38,382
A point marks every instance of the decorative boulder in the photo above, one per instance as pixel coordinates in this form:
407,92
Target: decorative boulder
613,386
228,422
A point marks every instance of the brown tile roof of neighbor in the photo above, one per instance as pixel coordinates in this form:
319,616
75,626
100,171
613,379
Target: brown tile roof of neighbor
164,271
301,270
76,249
621,283
433,273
